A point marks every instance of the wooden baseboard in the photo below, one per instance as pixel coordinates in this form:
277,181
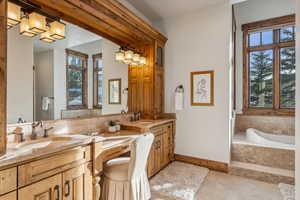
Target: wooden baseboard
212,165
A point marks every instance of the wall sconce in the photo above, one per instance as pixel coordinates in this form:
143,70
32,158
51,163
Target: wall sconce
46,36
37,23
13,14
57,30
24,27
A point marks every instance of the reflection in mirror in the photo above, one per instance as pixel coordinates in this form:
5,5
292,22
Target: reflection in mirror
64,79
114,88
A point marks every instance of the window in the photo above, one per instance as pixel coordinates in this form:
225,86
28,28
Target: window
98,80
76,80
269,66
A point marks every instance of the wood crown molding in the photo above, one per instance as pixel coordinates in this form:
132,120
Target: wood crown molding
108,18
212,165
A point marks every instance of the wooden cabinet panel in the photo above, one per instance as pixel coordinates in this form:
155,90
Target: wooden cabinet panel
73,184
161,153
8,180
9,196
44,168
48,189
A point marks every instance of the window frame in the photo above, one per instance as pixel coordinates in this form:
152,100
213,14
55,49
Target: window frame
95,81
85,57
275,24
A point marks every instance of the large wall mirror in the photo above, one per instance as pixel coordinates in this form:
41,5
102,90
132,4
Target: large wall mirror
67,78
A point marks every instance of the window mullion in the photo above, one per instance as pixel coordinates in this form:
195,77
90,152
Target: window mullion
276,72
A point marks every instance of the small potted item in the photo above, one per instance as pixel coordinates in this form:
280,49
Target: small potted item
118,126
112,127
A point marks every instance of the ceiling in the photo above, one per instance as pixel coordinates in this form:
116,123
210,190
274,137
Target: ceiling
156,10
74,36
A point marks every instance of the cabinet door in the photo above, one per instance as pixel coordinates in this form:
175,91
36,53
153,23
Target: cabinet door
165,149
158,153
73,184
10,196
151,162
48,189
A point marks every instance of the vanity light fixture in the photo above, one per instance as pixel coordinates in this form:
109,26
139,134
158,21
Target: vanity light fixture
136,58
120,56
128,55
24,27
143,61
13,14
46,36
37,23
8,26
57,30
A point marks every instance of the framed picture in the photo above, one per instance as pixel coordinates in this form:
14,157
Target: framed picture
202,88
114,91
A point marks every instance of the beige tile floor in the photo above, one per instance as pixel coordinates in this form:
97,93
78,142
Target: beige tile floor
220,186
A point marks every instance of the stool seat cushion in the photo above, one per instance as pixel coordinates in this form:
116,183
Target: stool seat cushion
117,169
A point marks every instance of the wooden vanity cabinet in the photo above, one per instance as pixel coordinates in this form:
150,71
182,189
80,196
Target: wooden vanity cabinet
48,189
146,83
161,153
9,196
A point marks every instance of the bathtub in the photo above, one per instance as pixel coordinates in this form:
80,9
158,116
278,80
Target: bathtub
270,140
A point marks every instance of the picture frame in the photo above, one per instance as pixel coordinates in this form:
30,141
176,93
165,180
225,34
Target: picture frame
202,88
114,91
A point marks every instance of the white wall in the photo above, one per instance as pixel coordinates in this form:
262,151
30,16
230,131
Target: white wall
59,81
197,42
297,104
44,84
251,11
112,69
19,77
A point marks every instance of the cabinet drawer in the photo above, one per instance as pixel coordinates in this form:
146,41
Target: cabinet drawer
10,196
8,180
44,168
157,130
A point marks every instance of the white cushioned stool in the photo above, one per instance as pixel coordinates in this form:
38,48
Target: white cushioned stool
125,178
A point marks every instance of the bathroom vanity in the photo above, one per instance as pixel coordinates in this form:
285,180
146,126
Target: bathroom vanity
70,166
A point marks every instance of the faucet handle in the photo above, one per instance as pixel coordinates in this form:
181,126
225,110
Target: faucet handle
46,131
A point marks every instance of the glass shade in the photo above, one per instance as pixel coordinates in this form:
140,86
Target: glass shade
24,27
57,30
8,26
37,23
13,14
128,55
136,58
46,36
142,60
127,62
120,56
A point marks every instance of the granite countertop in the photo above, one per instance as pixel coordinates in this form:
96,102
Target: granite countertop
34,149
146,125
29,150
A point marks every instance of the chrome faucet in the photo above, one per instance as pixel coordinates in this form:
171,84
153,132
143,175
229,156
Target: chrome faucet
34,125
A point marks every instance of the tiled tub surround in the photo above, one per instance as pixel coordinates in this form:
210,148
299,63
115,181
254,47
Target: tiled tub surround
269,163
280,125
